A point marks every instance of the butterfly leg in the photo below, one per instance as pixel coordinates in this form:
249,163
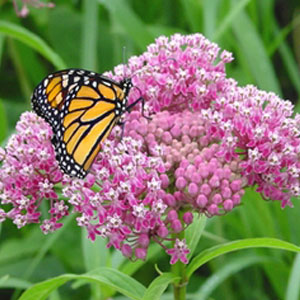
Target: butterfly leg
141,99
122,125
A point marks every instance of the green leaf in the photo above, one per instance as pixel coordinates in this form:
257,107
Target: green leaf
290,64
194,14
281,36
18,62
219,250
210,16
3,279
130,23
33,41
43,289
46,246
2,40
10,282
111,277
54,296
3,122
231,267
14,249
158,286
89,34
229,19
65,36
94,253
255,52
31,63
293,289
194,232
266,9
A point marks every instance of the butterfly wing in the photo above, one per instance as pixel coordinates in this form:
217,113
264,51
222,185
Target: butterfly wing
50,95
82,107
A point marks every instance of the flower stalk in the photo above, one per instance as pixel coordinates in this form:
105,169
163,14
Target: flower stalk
179,270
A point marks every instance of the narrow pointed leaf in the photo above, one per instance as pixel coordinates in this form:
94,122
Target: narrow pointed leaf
254,51
111,277
33,41
194,232
219,250
293,288
158,286
232,267
129,21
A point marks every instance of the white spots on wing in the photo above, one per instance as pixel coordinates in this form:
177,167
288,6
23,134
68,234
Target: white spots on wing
106,83
71,81
46,81
71,87
65,81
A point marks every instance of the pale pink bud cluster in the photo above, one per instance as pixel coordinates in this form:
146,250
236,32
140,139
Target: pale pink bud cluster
196,176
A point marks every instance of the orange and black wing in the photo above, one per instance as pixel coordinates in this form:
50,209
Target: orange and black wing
50,95
82,107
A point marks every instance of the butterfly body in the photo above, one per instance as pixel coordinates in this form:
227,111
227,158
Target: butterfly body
82,107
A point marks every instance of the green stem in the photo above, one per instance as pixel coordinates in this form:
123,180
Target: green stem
179,288
179,269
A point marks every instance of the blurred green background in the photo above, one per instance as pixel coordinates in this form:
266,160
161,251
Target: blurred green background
264,36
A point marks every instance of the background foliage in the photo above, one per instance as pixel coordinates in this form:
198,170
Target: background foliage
264,37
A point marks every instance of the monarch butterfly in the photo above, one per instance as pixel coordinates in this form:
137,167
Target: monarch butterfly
82,108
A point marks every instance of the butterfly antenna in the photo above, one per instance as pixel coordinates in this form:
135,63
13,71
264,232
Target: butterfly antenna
124,59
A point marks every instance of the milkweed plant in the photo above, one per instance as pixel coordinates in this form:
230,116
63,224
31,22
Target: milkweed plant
207,140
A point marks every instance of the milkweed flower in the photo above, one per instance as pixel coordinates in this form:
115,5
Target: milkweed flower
24,11
207,140
183,74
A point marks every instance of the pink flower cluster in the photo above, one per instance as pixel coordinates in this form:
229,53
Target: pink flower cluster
207,140
183,74
29,172
121,198
178,73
